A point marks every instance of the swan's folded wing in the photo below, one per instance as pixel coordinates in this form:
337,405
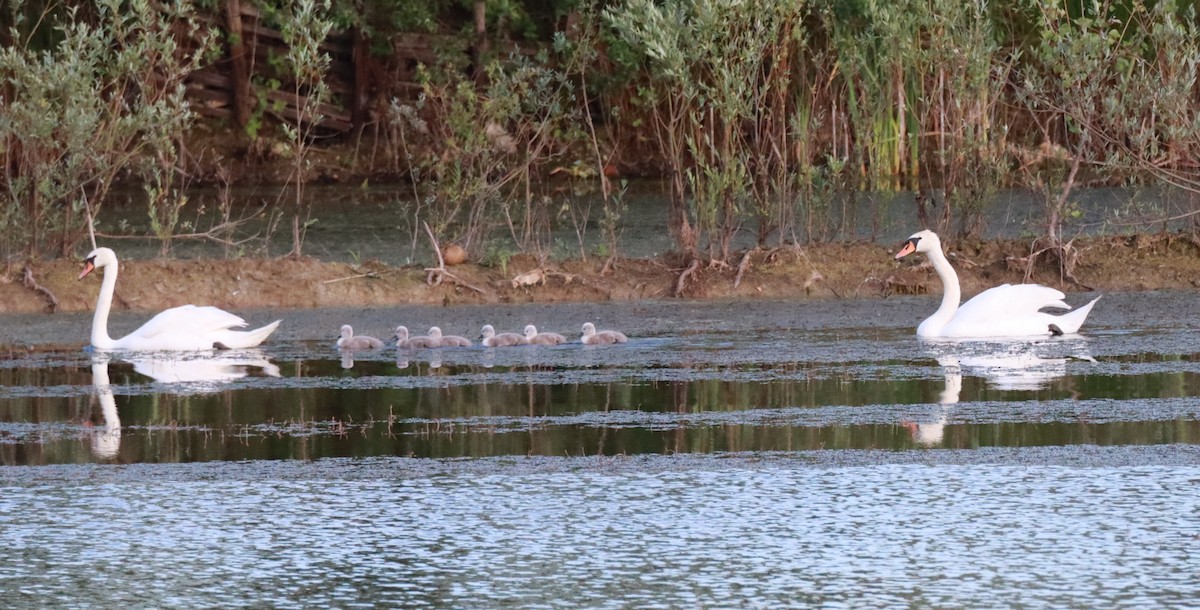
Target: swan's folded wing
1010,301
189,320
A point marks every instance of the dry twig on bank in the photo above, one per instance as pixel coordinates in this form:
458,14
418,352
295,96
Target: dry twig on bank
681,281
1068,257
743,265
31,283
436,275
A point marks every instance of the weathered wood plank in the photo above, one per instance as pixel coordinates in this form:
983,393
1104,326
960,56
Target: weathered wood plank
227,88
241,89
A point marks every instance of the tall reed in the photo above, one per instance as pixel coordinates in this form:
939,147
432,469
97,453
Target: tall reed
718,119
754,102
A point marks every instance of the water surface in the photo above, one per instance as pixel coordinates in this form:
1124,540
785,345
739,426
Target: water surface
764,454
380,221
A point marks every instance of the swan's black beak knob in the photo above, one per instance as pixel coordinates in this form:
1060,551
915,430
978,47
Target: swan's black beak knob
908,247
88,266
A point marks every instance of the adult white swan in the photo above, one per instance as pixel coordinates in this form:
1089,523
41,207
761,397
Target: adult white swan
1011,310
180,328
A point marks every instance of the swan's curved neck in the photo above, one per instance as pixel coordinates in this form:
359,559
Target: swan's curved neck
951,294
100,338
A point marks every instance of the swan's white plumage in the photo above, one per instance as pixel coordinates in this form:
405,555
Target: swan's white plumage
1010,310
203,320
187,327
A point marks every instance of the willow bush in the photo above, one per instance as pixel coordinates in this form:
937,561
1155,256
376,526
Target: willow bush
1112,92
476,153
106,101
304,28
771,118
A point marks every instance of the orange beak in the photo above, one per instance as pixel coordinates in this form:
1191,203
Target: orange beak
88,266
907,248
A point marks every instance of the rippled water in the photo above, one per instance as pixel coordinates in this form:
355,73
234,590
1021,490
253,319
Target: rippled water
700,533
759,454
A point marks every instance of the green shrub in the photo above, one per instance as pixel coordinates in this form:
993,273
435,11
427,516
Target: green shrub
106,102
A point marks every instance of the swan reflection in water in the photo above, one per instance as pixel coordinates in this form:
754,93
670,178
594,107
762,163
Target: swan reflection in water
1015,365
201,372
106,441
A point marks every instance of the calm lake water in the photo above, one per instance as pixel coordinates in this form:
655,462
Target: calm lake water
378,222
757,454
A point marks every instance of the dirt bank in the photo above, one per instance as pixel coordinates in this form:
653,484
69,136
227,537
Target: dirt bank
811,272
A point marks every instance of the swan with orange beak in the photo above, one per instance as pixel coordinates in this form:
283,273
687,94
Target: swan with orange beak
1010,310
